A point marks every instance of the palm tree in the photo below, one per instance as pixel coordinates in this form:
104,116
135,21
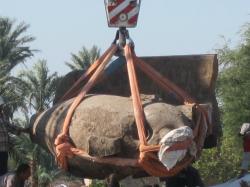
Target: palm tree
38,89
14,50
13,45
38,86
84,58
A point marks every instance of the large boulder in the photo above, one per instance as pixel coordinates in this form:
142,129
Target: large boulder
104,126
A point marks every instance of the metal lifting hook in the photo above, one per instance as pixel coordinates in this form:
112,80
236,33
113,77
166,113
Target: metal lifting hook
123,38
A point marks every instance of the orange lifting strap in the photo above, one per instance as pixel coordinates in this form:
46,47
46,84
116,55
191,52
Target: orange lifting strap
147,159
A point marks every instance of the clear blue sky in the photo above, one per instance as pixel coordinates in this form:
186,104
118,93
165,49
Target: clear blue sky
165,27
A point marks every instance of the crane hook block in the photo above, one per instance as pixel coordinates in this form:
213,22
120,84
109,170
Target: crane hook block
122,13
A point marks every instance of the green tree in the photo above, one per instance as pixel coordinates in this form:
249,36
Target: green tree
38,88
14,49
222,163
84,58
234,83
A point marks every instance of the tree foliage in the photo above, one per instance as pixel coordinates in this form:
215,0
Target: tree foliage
14,49
84,58
234,83
233,92
220,164
38,86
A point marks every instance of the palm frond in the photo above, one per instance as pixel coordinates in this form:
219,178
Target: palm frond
84,58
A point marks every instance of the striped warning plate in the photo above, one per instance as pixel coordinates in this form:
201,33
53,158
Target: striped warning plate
123,13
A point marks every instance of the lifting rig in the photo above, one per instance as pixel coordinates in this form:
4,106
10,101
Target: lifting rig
123,14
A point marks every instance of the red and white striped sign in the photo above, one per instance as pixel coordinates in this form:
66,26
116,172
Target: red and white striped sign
122,13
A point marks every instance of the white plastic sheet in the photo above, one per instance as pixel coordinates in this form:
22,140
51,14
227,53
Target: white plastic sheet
169,159
245,128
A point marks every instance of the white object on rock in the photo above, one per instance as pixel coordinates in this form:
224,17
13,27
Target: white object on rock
245,128
170,158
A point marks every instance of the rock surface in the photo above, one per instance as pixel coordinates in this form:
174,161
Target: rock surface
104,125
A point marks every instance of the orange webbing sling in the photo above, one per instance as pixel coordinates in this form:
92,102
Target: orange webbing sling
62,141
147,159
